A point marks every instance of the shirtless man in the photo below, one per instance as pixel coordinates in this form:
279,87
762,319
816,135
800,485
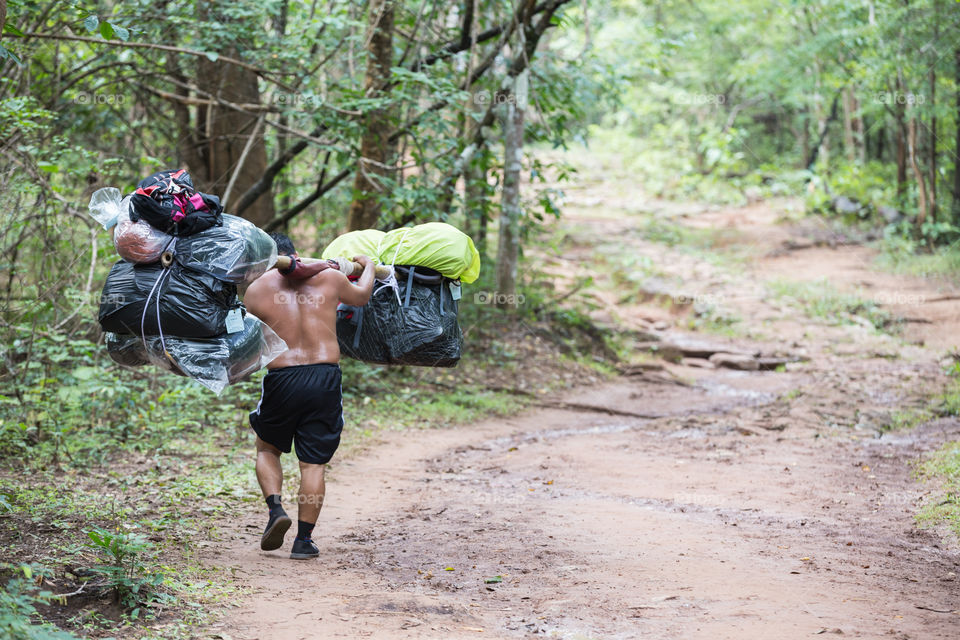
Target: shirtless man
301,398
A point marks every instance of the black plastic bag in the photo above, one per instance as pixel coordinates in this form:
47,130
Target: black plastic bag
416,325
189,304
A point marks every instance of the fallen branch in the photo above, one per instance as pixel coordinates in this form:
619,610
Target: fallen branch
920,606
577,406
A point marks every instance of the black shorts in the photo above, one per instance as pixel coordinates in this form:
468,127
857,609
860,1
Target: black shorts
301,405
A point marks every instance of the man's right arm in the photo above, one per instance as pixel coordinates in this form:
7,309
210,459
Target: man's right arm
358,294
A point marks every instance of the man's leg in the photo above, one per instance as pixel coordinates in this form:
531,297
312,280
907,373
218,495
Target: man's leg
312,489
270,477
269,470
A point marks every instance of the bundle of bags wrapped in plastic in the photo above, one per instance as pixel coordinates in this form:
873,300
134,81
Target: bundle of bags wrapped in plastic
413,322
172,298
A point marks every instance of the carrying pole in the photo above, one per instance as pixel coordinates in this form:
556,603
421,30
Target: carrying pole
382,271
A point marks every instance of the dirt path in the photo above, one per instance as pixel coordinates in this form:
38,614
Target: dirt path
744,504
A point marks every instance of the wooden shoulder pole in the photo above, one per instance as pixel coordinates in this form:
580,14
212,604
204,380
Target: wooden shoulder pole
283,262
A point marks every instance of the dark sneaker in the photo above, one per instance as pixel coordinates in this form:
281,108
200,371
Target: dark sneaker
276,528
304,549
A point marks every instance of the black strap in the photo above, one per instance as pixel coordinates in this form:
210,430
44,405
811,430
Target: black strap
406,302
443,285
358,316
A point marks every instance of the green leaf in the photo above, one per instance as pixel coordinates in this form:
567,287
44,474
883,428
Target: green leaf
121,32
212,56
493,580
85,373
9,28
91,23
106,30
27,571
49,167
6,53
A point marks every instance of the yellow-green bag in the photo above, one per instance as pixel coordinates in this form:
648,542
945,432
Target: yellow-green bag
355,243
435,245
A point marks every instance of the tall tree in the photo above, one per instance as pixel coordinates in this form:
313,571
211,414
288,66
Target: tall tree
956,142
932,138
376,147
508,244
230,146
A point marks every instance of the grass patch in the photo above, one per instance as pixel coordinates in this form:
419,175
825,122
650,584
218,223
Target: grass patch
715,320
906,257
675,234
949,404
907,419
819,299
942,466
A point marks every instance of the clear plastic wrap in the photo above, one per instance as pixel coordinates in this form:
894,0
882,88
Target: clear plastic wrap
237,252
137,241
214,362
417,327
107,206
126,349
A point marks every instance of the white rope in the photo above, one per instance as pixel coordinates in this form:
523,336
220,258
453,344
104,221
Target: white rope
164,275
399,246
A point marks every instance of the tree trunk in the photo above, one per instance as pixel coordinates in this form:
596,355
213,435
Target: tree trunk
901,142
821,148
856,126
801,133
475,201
848,137
474,174
917,174
956,142
508,246
280,26
932,142
881,138
859,132
224,135
3,16
375,148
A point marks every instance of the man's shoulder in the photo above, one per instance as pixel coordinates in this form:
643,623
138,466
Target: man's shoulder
268,281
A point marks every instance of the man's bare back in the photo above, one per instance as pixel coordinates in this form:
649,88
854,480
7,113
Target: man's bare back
304,312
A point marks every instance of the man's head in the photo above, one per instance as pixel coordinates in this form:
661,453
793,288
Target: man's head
284,244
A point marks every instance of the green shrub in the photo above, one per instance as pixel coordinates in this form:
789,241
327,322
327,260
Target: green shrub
125,572
18,612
